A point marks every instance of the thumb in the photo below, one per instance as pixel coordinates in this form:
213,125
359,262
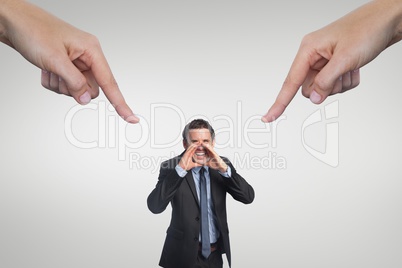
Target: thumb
76,83
329,80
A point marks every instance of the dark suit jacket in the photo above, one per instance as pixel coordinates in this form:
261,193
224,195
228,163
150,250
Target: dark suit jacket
182,240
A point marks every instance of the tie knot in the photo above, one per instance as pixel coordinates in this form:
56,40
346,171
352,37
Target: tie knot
202,170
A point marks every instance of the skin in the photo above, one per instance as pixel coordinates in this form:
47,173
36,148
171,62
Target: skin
328,60
71,60
200,151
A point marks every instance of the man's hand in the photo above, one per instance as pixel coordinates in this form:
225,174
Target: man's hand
329,59
215,161
72,61
187,162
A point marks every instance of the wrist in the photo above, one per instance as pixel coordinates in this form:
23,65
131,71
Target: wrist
398,20
4,10
391,10
223,169
182,166
8,9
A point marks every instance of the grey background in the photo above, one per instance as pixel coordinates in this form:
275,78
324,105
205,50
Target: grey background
63,206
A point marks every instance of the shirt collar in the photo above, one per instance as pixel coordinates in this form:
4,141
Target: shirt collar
197,169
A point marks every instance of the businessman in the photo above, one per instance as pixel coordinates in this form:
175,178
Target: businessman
195,183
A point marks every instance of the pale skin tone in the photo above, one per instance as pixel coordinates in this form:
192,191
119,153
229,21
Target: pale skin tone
200,152
71,60
327,63
328,60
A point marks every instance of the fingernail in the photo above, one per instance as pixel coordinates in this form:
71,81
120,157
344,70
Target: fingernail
266,119
132,119
85,98
314,97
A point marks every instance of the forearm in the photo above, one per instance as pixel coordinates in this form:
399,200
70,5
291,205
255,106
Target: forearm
23,25
7,8
238,187
240,190
391,12
168,183
20,23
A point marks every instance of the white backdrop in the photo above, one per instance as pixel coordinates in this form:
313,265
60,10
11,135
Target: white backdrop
64,205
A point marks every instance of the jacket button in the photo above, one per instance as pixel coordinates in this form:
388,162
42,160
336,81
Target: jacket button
197,218
195,238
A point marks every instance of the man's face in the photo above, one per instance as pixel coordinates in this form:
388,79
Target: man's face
200,137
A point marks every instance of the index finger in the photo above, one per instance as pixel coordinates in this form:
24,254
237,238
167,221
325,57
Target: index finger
189,153
295,78
106,81
209,148
190,150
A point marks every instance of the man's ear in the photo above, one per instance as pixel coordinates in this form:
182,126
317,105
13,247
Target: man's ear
185,145
213,143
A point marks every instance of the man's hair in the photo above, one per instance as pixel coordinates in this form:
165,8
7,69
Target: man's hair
197,124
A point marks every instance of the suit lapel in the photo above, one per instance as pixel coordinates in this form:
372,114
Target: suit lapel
214,177
191,184
190,181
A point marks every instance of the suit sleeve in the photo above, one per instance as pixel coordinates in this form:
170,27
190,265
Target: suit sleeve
238,187
168,183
